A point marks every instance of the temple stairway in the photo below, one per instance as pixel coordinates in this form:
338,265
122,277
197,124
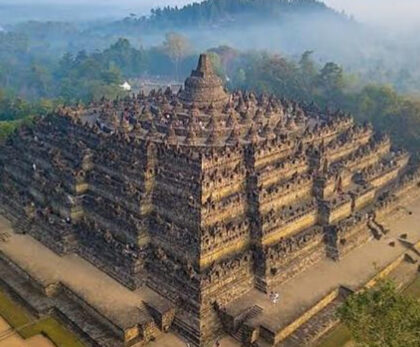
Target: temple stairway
185,330
375,230
244,330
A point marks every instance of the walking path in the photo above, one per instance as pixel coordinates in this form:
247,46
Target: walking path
8,339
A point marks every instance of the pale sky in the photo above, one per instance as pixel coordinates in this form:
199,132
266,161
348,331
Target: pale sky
383,12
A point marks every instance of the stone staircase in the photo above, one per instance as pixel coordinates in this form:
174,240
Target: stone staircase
153,330
185,330
239,334
244,330
253,312
376,232
380,227
261,285
377,229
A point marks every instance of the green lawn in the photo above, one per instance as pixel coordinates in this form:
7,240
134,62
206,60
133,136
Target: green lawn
338,337
17,317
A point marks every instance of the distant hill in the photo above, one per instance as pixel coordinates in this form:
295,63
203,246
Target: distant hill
222,13
284,25
216,12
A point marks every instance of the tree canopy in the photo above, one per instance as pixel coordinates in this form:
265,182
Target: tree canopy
217,11
26,78
381,316
177,47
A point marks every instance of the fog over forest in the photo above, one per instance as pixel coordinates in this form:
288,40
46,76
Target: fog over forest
401,15
359,55
388,13
374,39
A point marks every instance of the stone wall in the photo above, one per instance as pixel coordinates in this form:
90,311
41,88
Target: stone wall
275,337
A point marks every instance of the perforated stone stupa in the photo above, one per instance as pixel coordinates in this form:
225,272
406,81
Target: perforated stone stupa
200,197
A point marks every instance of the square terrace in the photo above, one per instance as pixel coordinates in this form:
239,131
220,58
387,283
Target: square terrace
122,306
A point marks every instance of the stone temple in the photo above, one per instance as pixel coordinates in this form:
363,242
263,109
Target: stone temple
198,202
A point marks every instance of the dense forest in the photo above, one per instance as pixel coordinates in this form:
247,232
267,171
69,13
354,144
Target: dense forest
225,12
43,64
83,77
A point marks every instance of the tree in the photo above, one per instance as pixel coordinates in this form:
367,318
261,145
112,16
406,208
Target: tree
381,316
330,82
44,106
307,65
65,65
39,80
177,47
217,64
308,70
131,61
112,75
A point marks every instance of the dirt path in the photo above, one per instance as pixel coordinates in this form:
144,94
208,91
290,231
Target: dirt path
15,340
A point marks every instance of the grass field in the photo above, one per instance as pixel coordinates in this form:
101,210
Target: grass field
338,337
27,325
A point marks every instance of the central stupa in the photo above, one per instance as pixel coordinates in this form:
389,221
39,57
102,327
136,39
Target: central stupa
204,88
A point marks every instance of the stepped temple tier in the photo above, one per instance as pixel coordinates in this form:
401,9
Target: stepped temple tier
187,216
